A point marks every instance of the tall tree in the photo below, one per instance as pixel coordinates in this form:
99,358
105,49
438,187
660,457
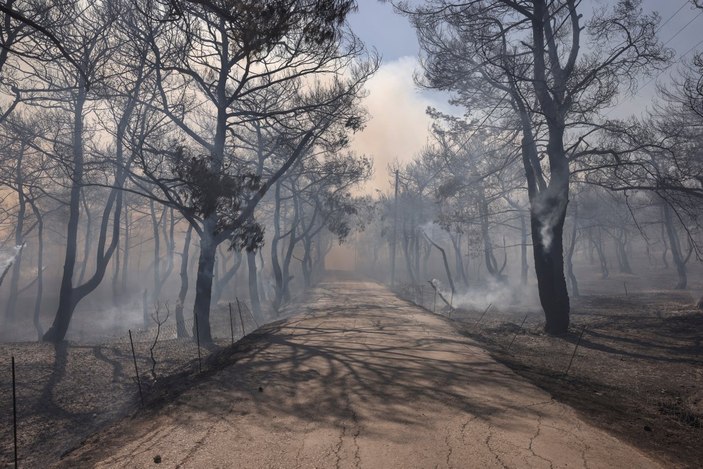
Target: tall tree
523,63
91,37
249,62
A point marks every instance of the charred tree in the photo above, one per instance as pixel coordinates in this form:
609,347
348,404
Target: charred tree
183,290
679,258
573,283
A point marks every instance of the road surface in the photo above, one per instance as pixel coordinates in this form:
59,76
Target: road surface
360,378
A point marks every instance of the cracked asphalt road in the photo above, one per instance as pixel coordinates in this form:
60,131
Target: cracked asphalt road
360,379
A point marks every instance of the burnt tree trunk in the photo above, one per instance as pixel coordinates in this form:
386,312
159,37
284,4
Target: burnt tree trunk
275,263
253,284
125,254
183,291
284,295
70,296
548,204
547,244
155,222
40,270
621,252
675,246
488,254
524,268
88,237
203,282
64,312
19,240
573,283
666,245
306,263
602,260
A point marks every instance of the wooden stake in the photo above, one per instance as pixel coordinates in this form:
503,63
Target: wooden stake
575,349
484,313
241,321
521,324
14,411
231,325
251,314
136,370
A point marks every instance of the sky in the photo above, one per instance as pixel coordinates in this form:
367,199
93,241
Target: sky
398,127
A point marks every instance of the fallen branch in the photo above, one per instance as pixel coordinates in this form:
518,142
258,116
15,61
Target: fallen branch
439,293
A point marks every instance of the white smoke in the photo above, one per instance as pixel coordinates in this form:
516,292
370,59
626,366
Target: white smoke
548,217
436,233
501,295
8,257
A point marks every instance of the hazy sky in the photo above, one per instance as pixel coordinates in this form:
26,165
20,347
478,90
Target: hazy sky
398,127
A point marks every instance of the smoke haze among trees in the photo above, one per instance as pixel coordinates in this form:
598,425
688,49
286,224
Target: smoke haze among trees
192,152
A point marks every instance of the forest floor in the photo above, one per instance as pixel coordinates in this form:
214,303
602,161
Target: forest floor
637,372
359,378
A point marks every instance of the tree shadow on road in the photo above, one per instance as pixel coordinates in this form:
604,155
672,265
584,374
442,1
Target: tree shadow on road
311,369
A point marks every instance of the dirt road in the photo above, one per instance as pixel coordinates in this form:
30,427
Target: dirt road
360,379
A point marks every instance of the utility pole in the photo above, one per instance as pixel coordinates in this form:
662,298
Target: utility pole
395,230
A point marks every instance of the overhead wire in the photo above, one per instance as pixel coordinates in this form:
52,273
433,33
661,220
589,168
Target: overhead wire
683,4
679,31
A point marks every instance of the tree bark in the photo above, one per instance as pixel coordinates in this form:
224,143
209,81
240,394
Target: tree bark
125,254
183,291
524,268
70,296
156,290
570,255
64,312
203,282
547,244
675,245
666,245
253,284
88,244
19,240
285,296
40,272
489,256
275,264
598,245
621,252
306,262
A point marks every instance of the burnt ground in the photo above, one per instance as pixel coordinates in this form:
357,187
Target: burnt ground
638,369
69,391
